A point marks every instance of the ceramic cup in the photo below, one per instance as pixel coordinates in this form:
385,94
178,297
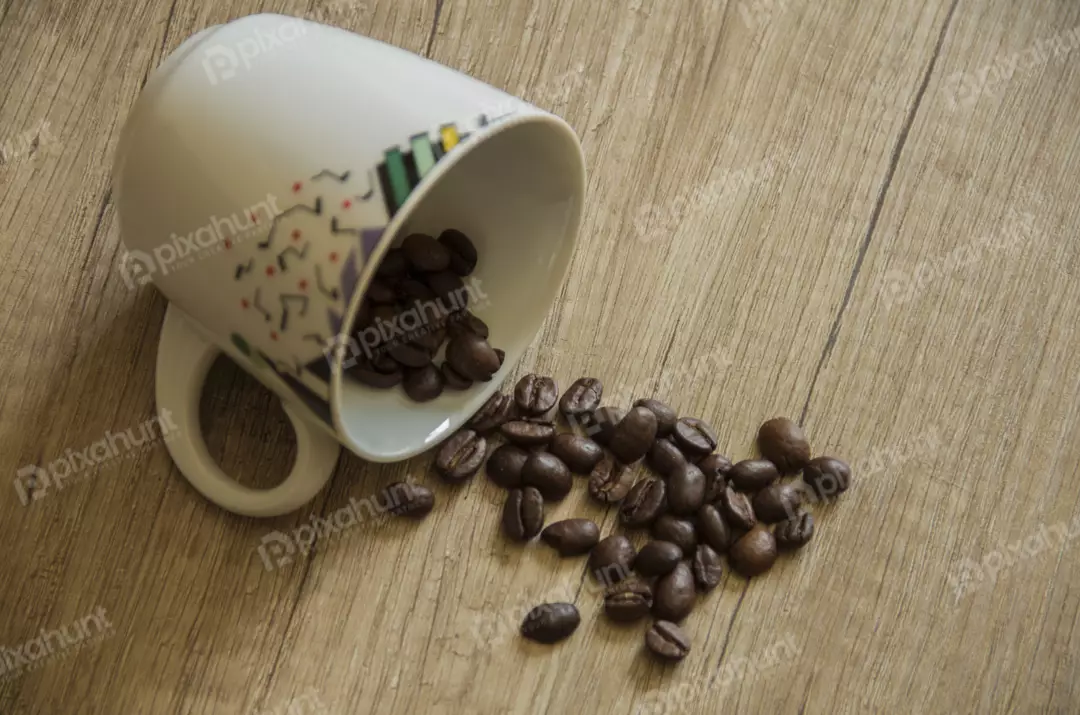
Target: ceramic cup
265,170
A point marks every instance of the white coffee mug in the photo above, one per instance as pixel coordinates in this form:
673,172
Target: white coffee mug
263,173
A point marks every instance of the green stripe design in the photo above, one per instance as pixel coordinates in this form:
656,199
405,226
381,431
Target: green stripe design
422,154
399,180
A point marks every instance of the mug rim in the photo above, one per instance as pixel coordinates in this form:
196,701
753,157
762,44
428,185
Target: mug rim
390,232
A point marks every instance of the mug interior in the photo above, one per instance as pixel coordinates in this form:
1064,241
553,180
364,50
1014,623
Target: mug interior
517,192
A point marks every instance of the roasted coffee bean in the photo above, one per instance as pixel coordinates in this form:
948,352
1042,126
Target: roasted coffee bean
410,354
523,514
385,314
695,437
384,363
610,560
784,443
610,481
453,379
751,475
379,291
425,254
501,354
535,394
715,467
754,553
685,490
600,423
461,456
828,476
548,474
365,316
777,502
634,435
646,501
467,322
551,622
393,266
707,567
449,290
365,373
572,537
472,357
505,464
674,595
667,641
795,532
665,457
495,412
737,509
665,416
423,384
413,500
657,558
583,396
580,454
714,530
628,601
462,251
431,340
413,291
528,433
680,532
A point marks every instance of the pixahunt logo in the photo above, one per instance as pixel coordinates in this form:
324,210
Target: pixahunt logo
425,316
33,482
221,62
138,267
278,549
29,655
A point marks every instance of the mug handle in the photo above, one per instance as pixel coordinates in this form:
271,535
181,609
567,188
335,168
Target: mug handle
184,359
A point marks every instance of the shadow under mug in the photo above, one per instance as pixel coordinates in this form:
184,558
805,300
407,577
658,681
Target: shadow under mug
439,150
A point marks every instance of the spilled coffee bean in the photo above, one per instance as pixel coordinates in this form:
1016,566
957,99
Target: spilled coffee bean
572,537
750,475
646,501
665,457
657,558
582,398
828,476
495,412
600,423
611,559
678,531
716,468
628,601
707,567
667,641
795,532
754,553
610,481
674,595
523,514
505,464
528,432
580,454
665,416
694,436
777,502
714,530
551,622
737,510
548,474
634,435
411,500
685,490
461,456
535,394
784,443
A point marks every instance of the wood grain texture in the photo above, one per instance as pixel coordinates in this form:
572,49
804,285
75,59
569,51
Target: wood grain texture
854,213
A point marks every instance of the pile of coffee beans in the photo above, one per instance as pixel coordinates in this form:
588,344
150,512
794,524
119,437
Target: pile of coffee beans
697,504
415,305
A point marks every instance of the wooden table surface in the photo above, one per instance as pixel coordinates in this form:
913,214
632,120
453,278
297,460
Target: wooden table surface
860,214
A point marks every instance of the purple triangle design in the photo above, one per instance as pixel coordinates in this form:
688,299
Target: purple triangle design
369,240
350,275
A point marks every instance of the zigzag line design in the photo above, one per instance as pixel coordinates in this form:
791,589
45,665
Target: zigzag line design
292,249
342,178
316,209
